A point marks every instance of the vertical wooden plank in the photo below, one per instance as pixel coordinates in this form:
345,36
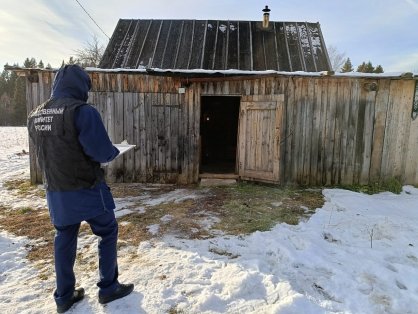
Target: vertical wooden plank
110,126
154,137
196,131
389,145
368,136
411,164
381,108
404,108
330,128
316,131
308,129
136,135
168,135
269,126
246,87
257,127
359,146
183,178
298,127
350,153
322,99
141,155
290,132
149,150
280,87
129,135
190,133
119,132
346,105
336,165
174,123
276,137
241,138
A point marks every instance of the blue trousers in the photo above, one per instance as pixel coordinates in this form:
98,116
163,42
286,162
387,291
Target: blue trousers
65,248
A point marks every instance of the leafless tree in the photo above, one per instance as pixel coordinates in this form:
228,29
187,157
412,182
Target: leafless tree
91,54
336,58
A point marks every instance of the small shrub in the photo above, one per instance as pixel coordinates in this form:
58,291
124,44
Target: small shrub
390,185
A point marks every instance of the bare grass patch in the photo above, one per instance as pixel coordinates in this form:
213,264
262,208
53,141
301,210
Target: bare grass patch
24,188
232,209
35,224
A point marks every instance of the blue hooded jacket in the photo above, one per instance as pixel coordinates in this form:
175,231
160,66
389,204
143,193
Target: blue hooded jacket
71,207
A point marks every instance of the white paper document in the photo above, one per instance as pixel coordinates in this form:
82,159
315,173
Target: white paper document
123,148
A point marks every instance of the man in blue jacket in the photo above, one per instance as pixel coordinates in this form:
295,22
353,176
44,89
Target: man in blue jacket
71,142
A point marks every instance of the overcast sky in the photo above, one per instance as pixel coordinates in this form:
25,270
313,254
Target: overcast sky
382,31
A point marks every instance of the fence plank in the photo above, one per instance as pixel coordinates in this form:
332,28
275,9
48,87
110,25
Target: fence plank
404,115
346,87
330,126
129,135
389,153
411,164
139,135
351,130
308,129
297,160
381,108
322,101
119,110
338,133
367,137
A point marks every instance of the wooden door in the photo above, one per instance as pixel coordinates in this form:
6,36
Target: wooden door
259,137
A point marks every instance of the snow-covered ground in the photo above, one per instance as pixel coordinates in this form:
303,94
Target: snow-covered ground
356,254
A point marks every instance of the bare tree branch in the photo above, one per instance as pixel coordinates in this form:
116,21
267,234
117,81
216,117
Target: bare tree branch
91,54
336,58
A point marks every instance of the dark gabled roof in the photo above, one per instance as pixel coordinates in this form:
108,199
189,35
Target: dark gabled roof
216,45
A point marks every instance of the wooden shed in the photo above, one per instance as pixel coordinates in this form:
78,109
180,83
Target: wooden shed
286,128
234,100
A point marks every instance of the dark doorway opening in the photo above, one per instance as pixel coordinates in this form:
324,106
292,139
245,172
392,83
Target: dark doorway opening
218,133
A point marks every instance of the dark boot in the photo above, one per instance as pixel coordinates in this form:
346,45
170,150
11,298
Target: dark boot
78,295
120,292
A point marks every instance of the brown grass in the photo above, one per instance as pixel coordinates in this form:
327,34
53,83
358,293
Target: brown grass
34,224
24,188
240,209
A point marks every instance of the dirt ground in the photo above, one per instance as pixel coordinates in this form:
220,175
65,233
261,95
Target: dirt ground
235,209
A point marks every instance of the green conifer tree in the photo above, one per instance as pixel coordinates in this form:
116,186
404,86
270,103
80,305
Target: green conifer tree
369,67
378,69
362,67
30,63
347,67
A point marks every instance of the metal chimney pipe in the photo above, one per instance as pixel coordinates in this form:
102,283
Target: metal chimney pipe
266,17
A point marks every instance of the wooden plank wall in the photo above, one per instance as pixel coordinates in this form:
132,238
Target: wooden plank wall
334,130
146,111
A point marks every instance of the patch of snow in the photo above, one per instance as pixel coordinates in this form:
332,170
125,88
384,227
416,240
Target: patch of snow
166,218
176,196
153,229
223,28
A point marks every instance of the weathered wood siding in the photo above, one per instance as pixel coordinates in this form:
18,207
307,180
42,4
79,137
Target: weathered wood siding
334,130
146,111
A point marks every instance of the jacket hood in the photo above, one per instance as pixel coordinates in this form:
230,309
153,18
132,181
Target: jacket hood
71,81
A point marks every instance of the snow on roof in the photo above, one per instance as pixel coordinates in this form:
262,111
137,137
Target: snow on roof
230,72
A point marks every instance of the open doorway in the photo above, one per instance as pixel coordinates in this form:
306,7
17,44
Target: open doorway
218,133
